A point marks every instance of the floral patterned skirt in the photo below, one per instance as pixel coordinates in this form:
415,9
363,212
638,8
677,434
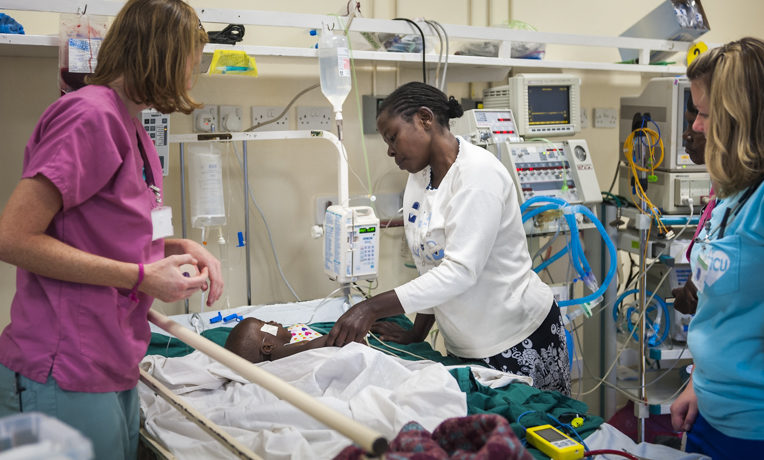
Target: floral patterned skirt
542,356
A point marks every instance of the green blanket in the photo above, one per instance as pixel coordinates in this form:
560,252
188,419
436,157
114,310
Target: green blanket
522,405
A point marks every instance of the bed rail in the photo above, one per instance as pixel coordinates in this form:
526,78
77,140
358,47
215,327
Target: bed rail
368,439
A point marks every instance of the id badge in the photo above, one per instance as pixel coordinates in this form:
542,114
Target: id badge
700,271
161,220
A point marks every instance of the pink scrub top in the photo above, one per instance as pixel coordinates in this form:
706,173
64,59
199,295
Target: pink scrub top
88,338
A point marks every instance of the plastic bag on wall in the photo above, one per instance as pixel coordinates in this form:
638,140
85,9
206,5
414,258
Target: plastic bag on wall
80,38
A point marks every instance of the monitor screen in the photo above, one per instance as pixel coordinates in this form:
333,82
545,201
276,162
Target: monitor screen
548,105
550,435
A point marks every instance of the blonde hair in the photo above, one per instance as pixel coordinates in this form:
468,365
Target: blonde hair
149,45
733,76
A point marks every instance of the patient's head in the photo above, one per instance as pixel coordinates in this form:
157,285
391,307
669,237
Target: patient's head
255,340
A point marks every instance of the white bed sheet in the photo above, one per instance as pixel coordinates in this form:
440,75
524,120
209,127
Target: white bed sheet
378,390
608,437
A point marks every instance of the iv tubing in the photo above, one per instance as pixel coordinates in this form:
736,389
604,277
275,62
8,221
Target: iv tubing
577,255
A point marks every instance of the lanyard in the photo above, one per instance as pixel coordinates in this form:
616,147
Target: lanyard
148,174
732,211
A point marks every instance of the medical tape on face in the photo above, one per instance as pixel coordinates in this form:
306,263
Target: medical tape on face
270,329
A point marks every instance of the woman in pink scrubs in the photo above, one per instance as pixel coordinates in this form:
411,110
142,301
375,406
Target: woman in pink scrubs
87,229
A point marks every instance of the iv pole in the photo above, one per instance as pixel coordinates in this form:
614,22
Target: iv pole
644,225
342,172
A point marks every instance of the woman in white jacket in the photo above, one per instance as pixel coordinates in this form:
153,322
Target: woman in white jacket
464,228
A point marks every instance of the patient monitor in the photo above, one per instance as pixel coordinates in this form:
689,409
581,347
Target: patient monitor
351,243
544,104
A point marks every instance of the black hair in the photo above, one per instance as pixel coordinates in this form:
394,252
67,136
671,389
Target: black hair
409,98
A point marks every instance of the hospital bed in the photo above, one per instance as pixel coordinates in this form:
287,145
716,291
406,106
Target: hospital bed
376,386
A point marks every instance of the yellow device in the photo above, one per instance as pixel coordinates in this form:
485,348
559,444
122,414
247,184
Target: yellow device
554,443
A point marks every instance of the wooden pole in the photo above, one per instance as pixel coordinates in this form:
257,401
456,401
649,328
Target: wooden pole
366,438
228,441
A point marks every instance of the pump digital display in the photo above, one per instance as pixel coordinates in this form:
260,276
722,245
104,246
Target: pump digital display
367,229
551,435
548,105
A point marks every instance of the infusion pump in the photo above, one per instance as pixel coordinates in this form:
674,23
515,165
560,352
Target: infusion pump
351,243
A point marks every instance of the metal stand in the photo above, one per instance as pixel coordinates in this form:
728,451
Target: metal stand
342,173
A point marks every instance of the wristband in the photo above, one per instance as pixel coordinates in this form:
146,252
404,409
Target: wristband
134,292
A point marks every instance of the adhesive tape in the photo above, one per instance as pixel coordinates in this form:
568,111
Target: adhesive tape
270,329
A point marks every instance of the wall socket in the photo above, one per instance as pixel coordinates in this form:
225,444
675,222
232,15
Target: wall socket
265,113
206,119
230,118
605,117
314,118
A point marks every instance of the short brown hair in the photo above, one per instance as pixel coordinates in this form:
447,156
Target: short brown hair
149,45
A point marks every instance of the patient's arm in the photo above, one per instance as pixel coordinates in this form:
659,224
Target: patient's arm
292,348
392,332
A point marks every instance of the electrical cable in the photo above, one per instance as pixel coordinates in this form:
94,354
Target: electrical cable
424,65
615,176
400,350
643,134
267,229
440,52
590,453
445,62
283,112
442,83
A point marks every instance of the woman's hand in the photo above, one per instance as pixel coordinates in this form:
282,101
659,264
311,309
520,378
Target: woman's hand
165,281
388,331
205,262
355,323
686,298
684,410
391,332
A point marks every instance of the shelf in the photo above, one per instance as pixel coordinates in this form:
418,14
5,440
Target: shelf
666,353
47,46
476,66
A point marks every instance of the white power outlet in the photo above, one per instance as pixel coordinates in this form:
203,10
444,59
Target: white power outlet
206,119
263,113
314,118
230,118
605,117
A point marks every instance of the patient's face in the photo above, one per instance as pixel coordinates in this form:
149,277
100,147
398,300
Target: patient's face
274,333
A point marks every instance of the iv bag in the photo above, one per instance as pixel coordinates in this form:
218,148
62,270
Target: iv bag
334,64
205,175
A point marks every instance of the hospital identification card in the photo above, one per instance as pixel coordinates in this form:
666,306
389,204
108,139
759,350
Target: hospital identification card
161,220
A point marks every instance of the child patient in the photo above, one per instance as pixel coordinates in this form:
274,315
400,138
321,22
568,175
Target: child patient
256,340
